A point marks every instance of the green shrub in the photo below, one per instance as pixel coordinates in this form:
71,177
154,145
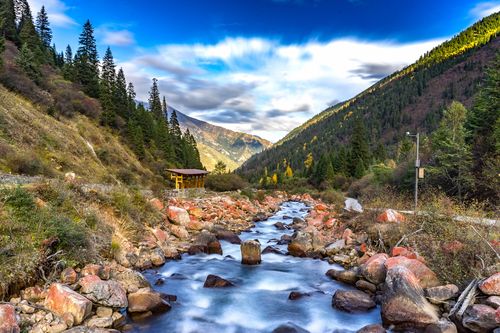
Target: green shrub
333,197
25,164
225,182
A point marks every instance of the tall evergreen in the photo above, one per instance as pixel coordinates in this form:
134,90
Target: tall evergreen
68,69
107,85
154,100
28,35
86,63
43,28
360,152
8,28
164,107
26,60
120,95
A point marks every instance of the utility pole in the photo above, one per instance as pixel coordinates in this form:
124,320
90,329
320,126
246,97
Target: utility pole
417,167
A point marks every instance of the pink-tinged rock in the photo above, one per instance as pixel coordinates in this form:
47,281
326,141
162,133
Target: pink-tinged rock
481,318
196,212
179,232
8,319
91,269
374,269
491,286
425,276
34,294
373,328
391,216
156,203
107,293
147,300
348,236
160,235
320,207
178,215
330,223
194,224
69,276
61,299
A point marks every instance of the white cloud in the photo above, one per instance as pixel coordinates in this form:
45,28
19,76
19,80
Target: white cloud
56,10
262,86
483,9
117,37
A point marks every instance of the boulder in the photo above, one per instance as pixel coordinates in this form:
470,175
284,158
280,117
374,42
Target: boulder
157,256
442,326
289,328
156,203
280,226
214,247
108,293
352,301
69,276
345,276
440,294
491,286
301,244
424,275
34,294
366,286
8,319
228,236
335,247
404,304
197,249
131,280
250,252
145,300
178,215
391,216
374,269
61,299
481,318
214,281
179,231
373,328
271,249
93,269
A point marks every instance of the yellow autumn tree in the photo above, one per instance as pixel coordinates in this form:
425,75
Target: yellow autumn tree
275,178
289,172
309,161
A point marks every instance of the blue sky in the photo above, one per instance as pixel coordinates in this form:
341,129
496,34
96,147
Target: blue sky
261,66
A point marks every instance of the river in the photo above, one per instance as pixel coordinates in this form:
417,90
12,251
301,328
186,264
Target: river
259,300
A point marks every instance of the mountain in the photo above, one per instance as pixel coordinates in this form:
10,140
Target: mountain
411,99
216,143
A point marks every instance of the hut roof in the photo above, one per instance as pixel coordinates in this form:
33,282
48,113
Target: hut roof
188,172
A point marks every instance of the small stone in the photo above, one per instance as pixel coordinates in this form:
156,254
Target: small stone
118,319
335,247
440,294
104,312
58,328
25,307
493,301
491,286
442,326
100,322
69,276
214,281
68,319
347,276
294,295
352,301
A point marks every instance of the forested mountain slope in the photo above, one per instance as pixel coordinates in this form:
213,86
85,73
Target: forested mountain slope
409,100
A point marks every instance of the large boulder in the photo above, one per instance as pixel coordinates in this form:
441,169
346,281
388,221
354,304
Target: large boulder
214,281
404,304
352,301
8,319
481,318
61,299
374,268
425,276
178,215
390,216
250,252
147,300
130,280
108,293
301,244
491,286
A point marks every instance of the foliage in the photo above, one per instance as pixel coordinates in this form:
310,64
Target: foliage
86,63
220,168
225,182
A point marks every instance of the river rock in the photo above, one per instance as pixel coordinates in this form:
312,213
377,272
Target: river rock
145,300
346,276
493,301
8,319
442,326
335,247
61,299
131,280
228,236
352,301
100,322
294,295
481,318
491,286
439,294
366,286
179,231
373,328
69,276
157,256
214,247
107,293
197,249
250,253
178,215
301,244
280,226
374,269
214,281
285,240
404,304
289,328
424,275
271,249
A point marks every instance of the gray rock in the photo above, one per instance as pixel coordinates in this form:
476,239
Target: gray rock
439,294
352,301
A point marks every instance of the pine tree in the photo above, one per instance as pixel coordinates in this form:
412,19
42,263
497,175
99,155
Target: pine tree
26,60
86,62
164,107
175,128
8,28
43,28
29,37
107,85
68,69
120,95
219,168
360,152
154,100
132,105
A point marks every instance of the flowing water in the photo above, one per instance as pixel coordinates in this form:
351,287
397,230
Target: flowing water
259,300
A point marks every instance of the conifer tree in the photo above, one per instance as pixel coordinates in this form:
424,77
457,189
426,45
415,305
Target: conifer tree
154,100
219,168
68,69
26,60
86,63
131,98
29,37
164,107
175,128
360,153
43,28
8,28
107,85
120,95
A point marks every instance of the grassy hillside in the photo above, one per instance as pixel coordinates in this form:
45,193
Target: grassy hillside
409,100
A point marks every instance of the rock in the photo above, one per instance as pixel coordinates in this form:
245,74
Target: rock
228,236
25,307
104,312
294,295
280,226
366,286
69,276
285,240
271,249
439,294
348,236
289,328
108,293
374,269
157,257
100,322
68,319
34,294
403,303
214,281
8,319
147,300
442,326
194,224
250,253
491,286
424,275
92,269
178,215
335,247
352,301
493,301
131,280
347,276
480,318
118,319
390,216
156,203
300,245
179,231
160,282
373,328
197,249
214,247
61,299
342,259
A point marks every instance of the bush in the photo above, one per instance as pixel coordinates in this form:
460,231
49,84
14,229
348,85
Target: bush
333,197
225,182
26,164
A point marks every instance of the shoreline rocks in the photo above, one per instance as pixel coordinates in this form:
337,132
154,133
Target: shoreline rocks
352,301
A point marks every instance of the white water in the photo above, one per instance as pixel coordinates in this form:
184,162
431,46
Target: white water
259,301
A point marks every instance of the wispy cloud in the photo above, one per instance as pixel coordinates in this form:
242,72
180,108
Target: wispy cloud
483,9
263,86
56,10
116,37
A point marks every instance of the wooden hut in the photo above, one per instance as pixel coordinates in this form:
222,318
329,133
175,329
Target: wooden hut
188,178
